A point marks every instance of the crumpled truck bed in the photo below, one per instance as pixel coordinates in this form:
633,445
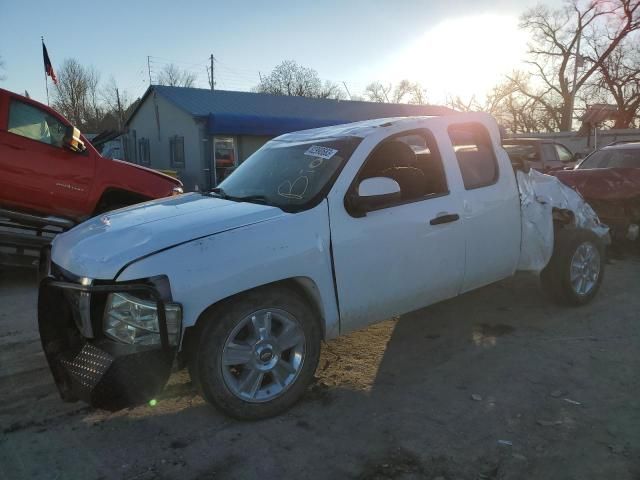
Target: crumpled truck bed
540,196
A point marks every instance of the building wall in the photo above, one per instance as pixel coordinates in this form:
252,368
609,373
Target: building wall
247,145
583,144
158,129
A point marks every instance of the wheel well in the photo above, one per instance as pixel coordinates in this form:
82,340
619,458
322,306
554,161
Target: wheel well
562,218
114,196
304,286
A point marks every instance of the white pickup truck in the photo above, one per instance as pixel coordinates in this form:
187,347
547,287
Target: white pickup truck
318,233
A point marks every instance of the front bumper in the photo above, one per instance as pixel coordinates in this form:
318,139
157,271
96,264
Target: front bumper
102,372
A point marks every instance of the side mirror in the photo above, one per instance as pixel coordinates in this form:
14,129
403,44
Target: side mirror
578,156
374,193
72,141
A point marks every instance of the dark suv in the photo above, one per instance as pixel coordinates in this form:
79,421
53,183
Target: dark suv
538,153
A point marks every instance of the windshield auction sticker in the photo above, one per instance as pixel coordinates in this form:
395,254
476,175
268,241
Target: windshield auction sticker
322,152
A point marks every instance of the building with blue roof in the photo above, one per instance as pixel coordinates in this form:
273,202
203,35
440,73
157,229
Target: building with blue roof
203,134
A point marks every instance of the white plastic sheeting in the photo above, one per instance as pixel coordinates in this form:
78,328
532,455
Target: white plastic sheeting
539,194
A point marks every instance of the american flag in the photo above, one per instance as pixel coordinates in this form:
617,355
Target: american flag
48,68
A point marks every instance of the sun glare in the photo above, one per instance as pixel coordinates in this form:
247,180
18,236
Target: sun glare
465,56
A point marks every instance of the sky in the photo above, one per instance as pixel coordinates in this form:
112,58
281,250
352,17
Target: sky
453,47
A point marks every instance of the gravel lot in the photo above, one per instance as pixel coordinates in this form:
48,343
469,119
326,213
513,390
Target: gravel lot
498,383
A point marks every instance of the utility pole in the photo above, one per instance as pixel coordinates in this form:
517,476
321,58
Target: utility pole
120,113
149,68
347,89
212,82
574,90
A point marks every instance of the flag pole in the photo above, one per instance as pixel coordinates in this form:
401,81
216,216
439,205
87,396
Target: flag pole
46,84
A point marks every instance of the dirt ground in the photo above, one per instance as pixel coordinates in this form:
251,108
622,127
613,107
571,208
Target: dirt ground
498,383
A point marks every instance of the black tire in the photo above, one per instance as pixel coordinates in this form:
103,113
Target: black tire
206,366
555,278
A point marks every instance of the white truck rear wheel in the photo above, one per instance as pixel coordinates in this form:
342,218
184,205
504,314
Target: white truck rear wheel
575,272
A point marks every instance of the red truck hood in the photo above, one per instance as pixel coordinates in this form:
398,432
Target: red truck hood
607,184
151,170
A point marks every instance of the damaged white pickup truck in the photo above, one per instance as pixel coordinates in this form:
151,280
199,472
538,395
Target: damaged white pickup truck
318,233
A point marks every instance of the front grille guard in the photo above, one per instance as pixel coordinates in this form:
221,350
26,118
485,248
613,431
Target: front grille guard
122,288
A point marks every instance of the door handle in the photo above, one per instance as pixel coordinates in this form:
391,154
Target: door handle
448,218
15,147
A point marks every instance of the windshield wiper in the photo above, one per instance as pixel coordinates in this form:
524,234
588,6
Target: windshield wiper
220,193
250,198
216,192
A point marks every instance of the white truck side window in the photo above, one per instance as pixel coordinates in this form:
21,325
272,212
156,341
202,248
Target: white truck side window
475,155
413,161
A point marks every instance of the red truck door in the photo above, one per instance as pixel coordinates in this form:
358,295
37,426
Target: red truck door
38,172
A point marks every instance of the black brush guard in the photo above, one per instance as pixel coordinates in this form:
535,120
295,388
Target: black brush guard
102,372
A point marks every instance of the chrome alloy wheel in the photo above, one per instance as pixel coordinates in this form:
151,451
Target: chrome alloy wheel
263,355
584,268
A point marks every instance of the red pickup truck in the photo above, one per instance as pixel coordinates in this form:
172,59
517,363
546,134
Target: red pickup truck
49,171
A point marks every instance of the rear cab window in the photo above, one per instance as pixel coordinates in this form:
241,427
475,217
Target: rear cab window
474,152
523,156
36,124
564,155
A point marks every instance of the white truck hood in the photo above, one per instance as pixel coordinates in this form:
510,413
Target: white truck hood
100,247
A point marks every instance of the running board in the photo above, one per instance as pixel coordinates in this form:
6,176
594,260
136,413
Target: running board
27,218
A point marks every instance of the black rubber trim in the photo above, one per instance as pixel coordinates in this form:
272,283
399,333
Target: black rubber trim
333,271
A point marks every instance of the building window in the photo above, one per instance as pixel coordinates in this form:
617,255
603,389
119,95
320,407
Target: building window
176,151
144,156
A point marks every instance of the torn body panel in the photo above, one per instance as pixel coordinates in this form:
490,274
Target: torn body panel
544,199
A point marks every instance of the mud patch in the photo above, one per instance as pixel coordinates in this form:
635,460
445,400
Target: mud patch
179,444
319,392
486,335
404,464
398,463
220,469
41,424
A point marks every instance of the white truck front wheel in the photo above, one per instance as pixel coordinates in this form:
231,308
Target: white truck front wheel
257,355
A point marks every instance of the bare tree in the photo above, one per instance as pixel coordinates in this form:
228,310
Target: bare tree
619,79
378,92
2,77
289,78
404,92
174,76
515,111
116,102
72,91
555,52
93,108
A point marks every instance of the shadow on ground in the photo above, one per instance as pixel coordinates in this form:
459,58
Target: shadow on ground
497,383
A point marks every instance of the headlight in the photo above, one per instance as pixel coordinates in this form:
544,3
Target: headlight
177,191
135,321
